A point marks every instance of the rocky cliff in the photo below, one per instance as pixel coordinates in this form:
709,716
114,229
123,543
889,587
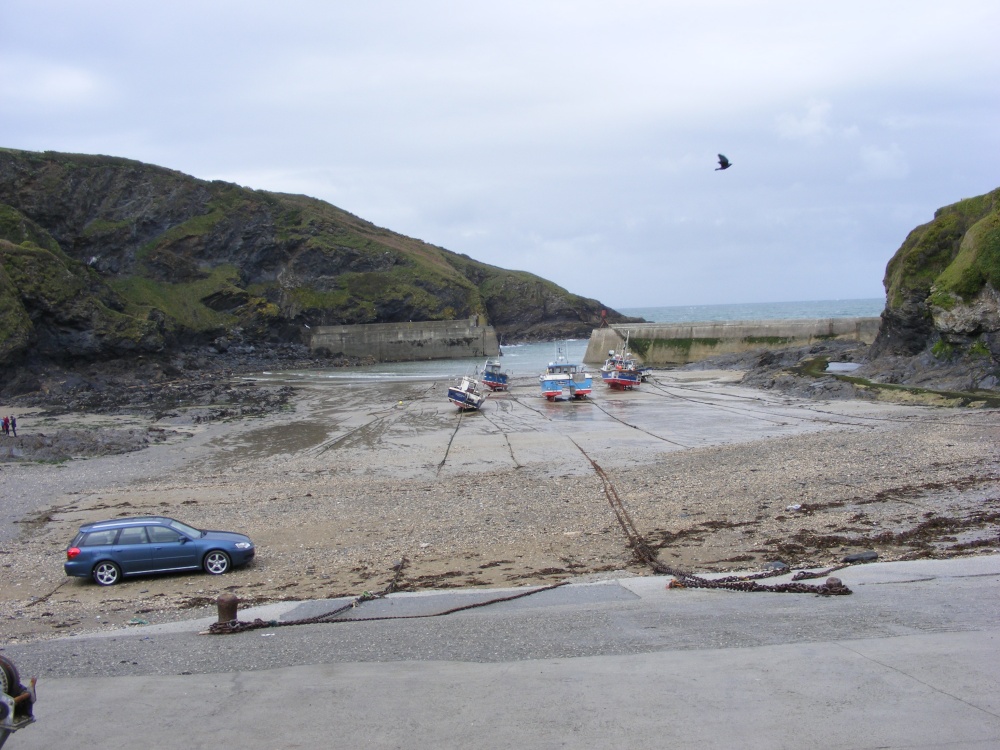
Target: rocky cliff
939,335
941,321
106,257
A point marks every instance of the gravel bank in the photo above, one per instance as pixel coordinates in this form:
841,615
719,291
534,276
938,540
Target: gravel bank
347,479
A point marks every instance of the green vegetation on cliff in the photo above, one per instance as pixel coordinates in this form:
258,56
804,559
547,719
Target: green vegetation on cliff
943,285
15,325
104,253
955,255
54,302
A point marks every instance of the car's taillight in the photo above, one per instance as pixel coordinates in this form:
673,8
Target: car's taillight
72,552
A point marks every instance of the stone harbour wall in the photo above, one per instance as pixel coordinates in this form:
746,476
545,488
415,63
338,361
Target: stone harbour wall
407,342
680,343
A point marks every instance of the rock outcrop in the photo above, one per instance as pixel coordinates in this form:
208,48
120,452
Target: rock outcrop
941,323
103,257
940,330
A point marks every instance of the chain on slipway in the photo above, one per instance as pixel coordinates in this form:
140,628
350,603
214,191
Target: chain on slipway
239,626
645,553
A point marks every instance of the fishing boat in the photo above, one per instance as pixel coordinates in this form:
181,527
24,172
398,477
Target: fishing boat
494,377
467,395
620,369
562,375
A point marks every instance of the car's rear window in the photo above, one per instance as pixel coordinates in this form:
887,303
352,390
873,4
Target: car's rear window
133,535
96,538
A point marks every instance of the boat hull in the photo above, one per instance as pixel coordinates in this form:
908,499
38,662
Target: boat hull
576,388
498,383
622,379
552,388
467,395
464,400
621,370
562,376
494,377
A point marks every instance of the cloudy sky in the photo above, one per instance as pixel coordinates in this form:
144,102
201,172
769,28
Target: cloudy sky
576,140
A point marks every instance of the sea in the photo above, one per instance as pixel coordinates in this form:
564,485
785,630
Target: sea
531,359
834,308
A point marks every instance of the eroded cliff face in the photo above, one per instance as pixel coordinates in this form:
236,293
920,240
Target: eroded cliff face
977,318
942,302
102,256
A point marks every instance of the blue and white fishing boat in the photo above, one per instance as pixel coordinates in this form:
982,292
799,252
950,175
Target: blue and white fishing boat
467,395
494,377
562,375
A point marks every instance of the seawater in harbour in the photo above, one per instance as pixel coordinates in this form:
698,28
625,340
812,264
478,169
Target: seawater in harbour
520,360
354,405
530,360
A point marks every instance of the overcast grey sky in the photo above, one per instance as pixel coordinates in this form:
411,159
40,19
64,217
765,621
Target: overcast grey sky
576,140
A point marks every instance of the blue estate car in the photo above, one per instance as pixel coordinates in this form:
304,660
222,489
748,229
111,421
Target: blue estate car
108,550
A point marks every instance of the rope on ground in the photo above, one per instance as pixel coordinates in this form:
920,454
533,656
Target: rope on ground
447,450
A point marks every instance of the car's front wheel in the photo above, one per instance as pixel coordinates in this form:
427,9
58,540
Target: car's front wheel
107,573
216,562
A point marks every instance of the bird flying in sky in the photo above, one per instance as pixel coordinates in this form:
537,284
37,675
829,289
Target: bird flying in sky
723,163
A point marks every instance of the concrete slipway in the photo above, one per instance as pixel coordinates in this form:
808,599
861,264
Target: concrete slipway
909,660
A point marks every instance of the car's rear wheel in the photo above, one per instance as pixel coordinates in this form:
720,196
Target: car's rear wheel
106,573
216,562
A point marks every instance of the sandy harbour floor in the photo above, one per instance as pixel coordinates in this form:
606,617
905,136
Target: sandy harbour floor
360,475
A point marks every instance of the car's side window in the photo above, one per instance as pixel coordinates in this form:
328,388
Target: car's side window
133,535
162,535
97,538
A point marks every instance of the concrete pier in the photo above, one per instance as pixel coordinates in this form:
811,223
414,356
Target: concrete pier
680,343
407,342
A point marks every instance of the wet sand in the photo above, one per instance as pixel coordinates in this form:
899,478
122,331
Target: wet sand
360,475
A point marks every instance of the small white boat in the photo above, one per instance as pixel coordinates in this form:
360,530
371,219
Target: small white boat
467,395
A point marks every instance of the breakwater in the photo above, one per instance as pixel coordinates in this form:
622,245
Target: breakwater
408,342
680,343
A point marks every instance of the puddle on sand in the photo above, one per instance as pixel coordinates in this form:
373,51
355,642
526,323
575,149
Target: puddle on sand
290,438
842,366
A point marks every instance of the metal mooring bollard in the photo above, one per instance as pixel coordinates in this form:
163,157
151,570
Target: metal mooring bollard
227,607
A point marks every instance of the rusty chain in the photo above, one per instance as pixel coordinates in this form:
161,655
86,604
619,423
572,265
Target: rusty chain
239,626
831,587
643,552
640,548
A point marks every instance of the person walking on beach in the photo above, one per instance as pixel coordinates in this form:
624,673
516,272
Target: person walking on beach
13,424
6,425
